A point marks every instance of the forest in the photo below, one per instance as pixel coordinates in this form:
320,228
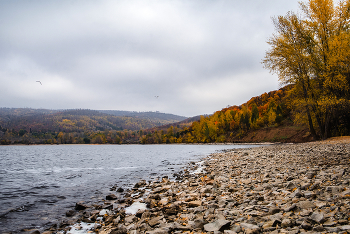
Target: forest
38,126
268,110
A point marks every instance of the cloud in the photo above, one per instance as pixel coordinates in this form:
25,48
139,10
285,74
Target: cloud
197,56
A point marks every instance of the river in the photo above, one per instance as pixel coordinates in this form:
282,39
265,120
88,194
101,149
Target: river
39,183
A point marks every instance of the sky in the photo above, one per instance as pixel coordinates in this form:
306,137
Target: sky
185,57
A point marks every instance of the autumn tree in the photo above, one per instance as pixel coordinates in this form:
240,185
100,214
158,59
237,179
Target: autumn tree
311,51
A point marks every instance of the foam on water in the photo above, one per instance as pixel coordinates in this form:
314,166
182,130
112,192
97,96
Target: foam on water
135,207
81,228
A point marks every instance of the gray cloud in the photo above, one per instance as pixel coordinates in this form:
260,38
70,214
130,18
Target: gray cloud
197,56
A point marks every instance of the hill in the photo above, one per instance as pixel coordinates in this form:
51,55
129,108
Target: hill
161,118
26,125
265,118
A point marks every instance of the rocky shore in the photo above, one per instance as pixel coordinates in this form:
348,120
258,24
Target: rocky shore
284,188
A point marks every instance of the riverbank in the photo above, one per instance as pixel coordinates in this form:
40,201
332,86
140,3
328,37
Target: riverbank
285,188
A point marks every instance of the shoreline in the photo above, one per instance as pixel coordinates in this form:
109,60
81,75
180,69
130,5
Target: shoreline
280,188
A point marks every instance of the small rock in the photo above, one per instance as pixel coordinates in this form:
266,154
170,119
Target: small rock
194,203
306,225
274,210
111,197
80,206
286,223
70,213
153,222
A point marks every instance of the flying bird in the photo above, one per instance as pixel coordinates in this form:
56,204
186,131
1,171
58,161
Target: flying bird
39,82
156,96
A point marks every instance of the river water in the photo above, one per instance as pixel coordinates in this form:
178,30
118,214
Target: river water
38,184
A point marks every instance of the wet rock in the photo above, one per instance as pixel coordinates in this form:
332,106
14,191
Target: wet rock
111,197
70,213
81,206
35,232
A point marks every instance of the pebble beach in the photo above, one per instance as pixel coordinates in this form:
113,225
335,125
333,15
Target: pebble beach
280,188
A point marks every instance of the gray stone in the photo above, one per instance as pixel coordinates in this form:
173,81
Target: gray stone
317,217
286,223
318,228
306,205
306,225
249,226
218,225
334,189
158,231
332,229
345,227
274,210
153,222
229,232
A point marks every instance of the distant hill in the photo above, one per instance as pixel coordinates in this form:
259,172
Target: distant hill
152,116
42,120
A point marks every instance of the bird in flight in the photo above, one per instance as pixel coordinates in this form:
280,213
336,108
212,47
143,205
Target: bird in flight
39,82
156,96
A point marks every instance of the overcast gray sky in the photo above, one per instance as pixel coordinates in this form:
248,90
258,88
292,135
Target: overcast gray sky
197,56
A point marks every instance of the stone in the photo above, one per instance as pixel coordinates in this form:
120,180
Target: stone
317,217
329,222
80,206
249,226
306,205
158,231
218,225
120,190
70,213
318,228
111,197
290,208
194,203
286,223
154,221
309,194
229,232
197,224
274,210
345,227
334,189
306,225
35,232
